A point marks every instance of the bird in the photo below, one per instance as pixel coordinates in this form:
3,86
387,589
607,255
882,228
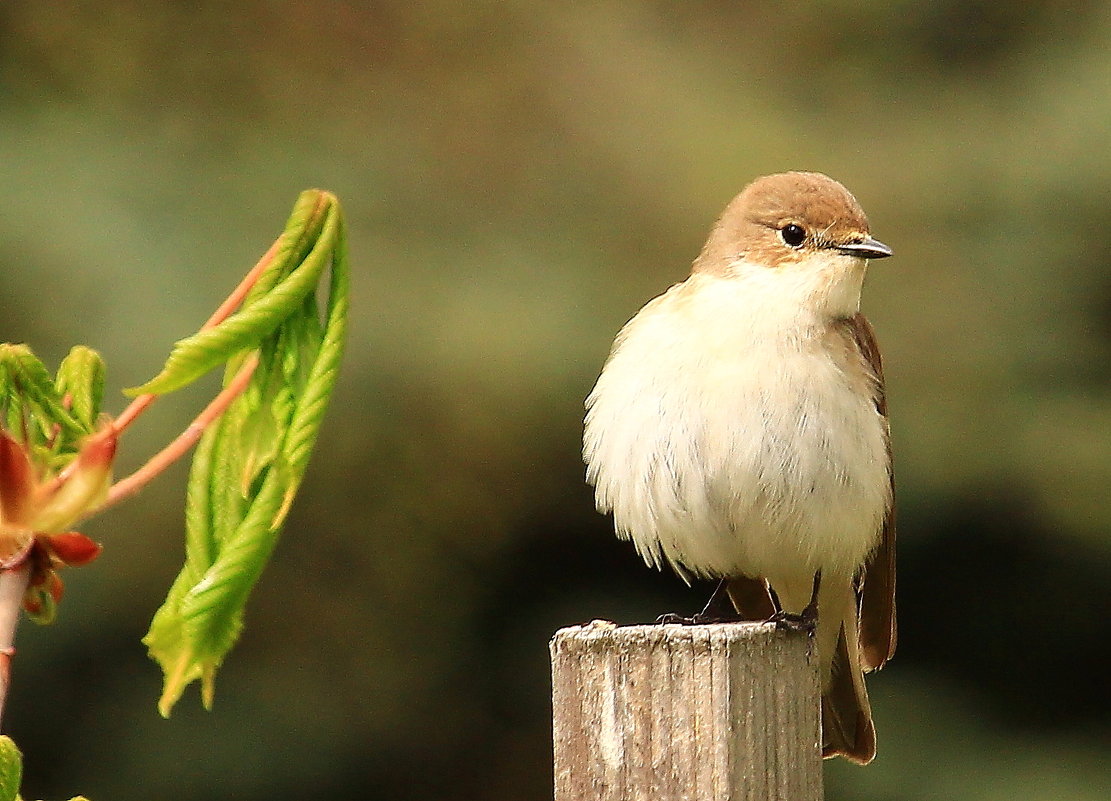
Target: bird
739,431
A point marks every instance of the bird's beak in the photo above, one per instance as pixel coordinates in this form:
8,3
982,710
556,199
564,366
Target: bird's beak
867,249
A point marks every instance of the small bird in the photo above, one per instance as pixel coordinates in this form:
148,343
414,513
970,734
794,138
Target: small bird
739,431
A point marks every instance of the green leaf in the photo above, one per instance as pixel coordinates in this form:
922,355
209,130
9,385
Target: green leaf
11,769
29,392
249,465
81,377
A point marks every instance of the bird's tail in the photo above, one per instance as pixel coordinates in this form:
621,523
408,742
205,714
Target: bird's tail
847,728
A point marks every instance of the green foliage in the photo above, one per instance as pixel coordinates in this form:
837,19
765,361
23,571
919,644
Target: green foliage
248,466
81,378
11,769
282,355
54,413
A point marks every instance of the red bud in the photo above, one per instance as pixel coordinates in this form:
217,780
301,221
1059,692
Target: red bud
72,547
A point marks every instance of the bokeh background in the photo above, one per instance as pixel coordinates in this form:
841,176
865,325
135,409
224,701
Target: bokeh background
519,178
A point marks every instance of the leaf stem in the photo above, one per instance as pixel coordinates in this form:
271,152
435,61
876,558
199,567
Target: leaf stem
230,304
126,487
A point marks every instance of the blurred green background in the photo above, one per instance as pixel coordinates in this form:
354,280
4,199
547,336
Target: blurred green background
519,178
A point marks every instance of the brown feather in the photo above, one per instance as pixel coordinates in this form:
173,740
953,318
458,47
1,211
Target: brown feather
878,632
847,728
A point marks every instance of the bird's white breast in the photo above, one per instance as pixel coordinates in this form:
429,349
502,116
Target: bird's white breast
727,438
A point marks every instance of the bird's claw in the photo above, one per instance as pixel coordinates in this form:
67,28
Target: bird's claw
701,619
807,621
672,618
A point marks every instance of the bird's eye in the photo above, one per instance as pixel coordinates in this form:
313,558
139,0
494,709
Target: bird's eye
793,234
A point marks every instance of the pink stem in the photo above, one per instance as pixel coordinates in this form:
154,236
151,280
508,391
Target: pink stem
133,410
185,440
13,585
240,292
230,304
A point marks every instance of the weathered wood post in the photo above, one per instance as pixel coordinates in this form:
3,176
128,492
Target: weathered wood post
719,712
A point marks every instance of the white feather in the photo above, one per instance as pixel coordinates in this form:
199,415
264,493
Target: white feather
725,437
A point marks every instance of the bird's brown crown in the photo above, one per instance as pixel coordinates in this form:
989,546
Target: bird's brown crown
779,218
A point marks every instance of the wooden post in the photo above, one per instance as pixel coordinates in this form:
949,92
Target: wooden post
720,712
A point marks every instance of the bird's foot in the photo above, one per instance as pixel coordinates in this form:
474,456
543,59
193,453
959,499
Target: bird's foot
717,610
673,618
807,621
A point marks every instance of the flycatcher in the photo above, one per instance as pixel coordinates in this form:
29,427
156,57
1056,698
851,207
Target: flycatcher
739,431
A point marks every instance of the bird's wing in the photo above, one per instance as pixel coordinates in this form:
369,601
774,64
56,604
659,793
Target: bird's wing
877,591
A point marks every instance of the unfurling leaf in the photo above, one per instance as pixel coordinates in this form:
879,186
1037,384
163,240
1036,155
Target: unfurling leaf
80,382
249,464
32,400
